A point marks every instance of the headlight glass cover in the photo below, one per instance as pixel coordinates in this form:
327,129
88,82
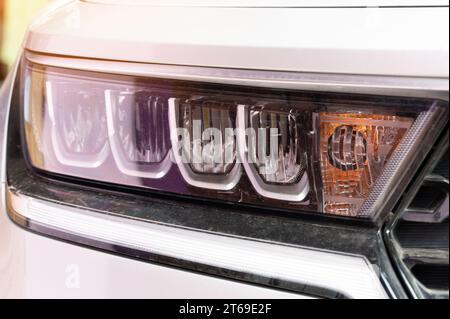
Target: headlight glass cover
297,151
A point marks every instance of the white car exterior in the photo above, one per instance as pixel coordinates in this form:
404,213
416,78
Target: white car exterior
392,46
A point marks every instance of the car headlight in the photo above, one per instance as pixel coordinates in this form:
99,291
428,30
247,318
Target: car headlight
291,150
213,170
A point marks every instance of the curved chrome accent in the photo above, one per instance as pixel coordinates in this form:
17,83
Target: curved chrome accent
344,83
157,170
413,285
209,181
296,192
76,160
351,275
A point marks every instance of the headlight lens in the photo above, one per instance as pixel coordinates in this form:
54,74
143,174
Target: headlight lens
299,151
354,149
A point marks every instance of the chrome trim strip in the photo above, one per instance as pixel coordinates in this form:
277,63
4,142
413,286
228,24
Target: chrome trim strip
413,285
388,276
351,275
402,157
342,83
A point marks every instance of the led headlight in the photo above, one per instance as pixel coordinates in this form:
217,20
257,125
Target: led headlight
138,131
204,143
326,153
273,143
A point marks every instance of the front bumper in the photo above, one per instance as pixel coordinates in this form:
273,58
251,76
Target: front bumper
34,266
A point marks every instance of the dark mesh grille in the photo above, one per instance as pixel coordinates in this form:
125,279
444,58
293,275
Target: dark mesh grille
432,276
423,235
442,167
429,197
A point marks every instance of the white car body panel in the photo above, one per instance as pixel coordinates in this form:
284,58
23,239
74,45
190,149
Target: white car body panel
326,40
278,3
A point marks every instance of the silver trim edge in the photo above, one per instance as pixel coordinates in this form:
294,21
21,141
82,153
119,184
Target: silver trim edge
436,88
351,275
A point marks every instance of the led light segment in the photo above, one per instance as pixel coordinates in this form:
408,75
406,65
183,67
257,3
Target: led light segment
139,131
278,155
204,143
76,123
354,150
213,151
270,145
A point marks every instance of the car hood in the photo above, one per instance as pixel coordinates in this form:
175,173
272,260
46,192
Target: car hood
279,3
388,41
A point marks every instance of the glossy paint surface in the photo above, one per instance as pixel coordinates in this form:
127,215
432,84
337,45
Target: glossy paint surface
330,40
